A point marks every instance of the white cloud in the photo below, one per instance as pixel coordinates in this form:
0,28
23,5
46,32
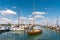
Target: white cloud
14,7
6,8
45,8
50,22
23,18
14,22
38,13
30,15
31,18
39,16
7,11
48,8
6,21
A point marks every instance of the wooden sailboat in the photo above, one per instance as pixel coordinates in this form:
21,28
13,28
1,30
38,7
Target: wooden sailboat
34,31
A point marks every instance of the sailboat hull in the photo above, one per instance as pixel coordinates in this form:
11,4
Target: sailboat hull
35,32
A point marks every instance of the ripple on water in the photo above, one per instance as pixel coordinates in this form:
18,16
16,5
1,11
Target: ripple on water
20,35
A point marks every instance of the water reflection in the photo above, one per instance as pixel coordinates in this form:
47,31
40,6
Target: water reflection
47,34
12,35
34,37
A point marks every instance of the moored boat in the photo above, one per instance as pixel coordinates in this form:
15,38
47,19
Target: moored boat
35,31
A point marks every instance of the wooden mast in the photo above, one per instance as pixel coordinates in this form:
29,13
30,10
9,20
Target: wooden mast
33,15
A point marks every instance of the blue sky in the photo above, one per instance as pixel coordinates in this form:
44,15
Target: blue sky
51,7
27,6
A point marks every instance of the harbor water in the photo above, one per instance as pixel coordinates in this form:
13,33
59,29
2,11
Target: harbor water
47,34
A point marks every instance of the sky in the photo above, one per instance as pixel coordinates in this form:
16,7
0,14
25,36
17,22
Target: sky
11,9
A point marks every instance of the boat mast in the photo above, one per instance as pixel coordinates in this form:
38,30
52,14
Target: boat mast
18,17
57,22
33,11
33,14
